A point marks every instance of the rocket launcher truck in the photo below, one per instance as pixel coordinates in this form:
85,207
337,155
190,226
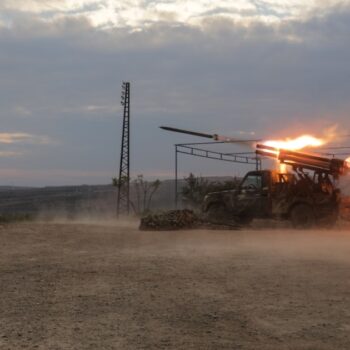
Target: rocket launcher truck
307,195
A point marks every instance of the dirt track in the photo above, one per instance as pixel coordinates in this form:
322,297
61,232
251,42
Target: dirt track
74,286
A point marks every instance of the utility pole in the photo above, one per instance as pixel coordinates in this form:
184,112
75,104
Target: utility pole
123,201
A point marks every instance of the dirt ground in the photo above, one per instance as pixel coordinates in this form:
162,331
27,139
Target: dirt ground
94,286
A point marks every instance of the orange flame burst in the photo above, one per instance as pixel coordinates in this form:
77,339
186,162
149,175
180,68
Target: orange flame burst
348,162
297,143
304,141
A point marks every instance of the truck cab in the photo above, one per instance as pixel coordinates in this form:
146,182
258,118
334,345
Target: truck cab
252,199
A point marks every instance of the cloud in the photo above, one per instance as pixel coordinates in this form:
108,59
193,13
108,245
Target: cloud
95,110
223,76
22,111
23,138
10,154
33,5
140,14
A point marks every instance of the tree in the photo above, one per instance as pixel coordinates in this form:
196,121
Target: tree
116,182
196,188
143,191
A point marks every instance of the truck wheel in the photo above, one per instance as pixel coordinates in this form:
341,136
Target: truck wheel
217,214
302,216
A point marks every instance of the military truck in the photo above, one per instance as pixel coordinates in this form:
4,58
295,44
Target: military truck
304,200
307,195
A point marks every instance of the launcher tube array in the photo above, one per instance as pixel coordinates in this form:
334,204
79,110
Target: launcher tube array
304,160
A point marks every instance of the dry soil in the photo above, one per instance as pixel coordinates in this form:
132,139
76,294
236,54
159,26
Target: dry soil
94,286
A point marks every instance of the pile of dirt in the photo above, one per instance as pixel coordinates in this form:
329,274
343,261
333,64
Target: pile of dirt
170,220
181,219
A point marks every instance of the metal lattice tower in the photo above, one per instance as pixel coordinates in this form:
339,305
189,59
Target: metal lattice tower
123,203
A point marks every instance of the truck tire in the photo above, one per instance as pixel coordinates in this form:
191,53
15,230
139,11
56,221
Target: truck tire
217,213
302,216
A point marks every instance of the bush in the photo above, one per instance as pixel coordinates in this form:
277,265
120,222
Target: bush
15,217
196,188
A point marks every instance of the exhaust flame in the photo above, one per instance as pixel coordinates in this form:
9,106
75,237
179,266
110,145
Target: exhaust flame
293,145
296,144
347,162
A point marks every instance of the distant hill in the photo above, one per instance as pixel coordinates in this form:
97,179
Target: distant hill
69,201
6,188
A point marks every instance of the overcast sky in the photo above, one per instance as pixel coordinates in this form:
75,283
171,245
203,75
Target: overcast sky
268,68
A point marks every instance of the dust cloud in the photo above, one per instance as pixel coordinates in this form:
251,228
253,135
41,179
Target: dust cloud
85,217
325,245
344,185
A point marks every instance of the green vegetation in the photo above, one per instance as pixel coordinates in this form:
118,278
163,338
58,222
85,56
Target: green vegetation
15,217
142,192
197,187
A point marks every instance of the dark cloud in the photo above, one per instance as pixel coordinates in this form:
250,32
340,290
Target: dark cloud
62,79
